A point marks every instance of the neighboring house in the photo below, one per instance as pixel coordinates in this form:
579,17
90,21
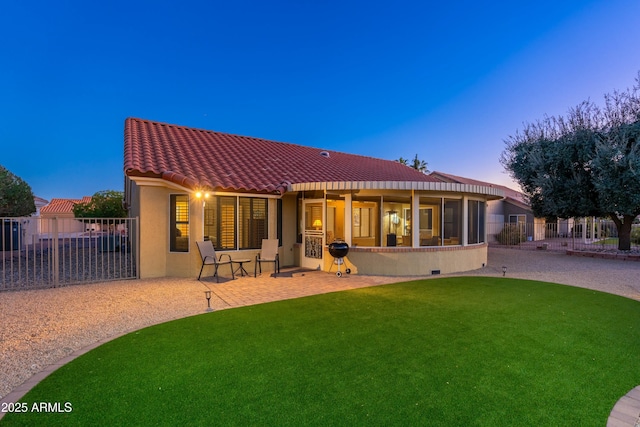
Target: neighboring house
188,185
513,208
62,209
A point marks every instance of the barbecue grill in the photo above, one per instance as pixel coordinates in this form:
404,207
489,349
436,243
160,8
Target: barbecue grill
338,250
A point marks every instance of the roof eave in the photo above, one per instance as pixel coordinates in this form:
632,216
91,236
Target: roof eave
491,192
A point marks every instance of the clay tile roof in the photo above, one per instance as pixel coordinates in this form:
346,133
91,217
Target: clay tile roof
200,158
63,206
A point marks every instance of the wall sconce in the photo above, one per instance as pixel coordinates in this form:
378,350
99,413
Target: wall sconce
317,224
504,270
207,295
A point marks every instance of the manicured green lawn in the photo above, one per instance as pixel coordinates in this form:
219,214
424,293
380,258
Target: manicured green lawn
448,352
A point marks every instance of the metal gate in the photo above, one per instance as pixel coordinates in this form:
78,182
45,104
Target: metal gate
50,252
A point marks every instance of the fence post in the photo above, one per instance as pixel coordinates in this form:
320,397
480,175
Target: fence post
137,221
54,248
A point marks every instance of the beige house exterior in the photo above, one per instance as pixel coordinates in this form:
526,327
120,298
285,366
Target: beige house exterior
188,185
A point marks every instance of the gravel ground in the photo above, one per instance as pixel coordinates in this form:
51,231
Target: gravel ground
40,327
607,275
33,268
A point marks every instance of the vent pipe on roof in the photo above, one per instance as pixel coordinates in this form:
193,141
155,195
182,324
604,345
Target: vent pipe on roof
325,154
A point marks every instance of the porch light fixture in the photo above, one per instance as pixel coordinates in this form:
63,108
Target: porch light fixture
504,270
200,194
207,295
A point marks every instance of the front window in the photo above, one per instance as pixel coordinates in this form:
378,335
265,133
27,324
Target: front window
179,223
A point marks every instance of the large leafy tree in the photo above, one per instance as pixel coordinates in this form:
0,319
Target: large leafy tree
103,204
586,163
16,197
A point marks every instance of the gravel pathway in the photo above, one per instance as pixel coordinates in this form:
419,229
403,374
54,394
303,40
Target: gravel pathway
40,327
607,275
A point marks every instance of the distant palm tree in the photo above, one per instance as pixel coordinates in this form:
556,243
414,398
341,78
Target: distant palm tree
417,164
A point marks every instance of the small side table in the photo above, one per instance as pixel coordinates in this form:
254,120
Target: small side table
240,268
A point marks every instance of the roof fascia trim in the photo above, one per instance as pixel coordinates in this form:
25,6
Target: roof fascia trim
161,182
492,192
158,182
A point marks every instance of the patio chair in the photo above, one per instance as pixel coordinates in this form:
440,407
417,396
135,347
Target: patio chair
268,253
208,255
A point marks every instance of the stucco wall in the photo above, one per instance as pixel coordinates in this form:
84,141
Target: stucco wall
154,226
414,262
288,253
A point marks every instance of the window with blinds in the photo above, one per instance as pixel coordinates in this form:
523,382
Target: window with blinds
236,222
179,223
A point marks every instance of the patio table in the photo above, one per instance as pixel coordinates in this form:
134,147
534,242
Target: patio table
240,268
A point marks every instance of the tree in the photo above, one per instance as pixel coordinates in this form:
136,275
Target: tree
16,197
416,163
103,204
584,164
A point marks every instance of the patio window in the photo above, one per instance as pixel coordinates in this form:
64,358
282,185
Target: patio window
396,222
232,222
476,221
220,222
179,223
335,220
429,223
452,230
365,223
252,226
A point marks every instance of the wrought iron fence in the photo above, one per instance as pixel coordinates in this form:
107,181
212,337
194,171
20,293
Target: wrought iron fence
51,252
584,234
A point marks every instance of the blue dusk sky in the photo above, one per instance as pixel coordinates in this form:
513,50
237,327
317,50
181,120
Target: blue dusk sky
448,81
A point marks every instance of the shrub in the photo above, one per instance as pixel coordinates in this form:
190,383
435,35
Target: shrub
511,234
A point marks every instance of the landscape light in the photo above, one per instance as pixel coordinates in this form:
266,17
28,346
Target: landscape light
207,295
